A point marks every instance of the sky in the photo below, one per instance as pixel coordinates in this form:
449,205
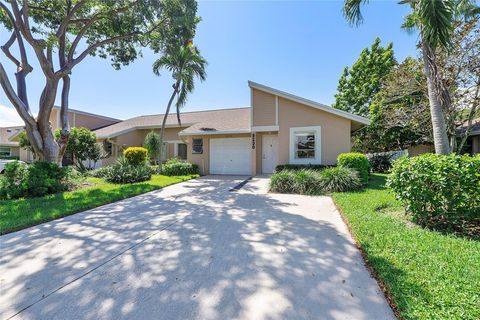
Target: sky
300,47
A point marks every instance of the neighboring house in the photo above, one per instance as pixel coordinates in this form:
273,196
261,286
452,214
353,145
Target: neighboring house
278,128
76,118
473,140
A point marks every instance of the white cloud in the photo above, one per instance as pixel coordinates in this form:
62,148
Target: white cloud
9,117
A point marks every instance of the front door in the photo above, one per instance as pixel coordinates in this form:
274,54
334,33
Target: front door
269,153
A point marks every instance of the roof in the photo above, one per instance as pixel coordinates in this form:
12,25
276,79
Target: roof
90,114
234,120
6,133
310,103
474,130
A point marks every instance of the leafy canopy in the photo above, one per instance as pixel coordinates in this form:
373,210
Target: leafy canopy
357,86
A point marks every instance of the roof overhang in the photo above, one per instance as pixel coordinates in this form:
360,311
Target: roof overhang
310,103
213,132
128,130
265,128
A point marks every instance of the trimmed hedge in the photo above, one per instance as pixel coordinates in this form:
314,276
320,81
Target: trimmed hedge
135,156
357,161
123,172
175,167
438,187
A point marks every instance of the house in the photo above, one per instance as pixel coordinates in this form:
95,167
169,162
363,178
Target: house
472,144
278,128
9,146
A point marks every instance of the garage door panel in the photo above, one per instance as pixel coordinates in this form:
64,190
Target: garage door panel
230,156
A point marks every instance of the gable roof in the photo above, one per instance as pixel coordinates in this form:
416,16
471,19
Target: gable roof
310,103
6,133
201,122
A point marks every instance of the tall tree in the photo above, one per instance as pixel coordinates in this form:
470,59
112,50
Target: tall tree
434,19
185,64
358,85
61,34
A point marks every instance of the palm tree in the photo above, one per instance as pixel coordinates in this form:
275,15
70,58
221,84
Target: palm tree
185,63
435,20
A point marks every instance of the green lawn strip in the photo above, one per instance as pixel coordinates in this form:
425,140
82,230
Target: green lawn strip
23,213
428,275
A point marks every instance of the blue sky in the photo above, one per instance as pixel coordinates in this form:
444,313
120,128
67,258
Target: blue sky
297,46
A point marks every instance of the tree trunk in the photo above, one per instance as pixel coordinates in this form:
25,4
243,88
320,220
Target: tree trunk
440,136
164,122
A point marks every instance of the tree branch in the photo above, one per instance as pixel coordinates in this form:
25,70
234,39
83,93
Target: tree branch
19,105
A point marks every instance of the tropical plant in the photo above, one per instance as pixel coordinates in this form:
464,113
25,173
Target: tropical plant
175,167
339,179
435,21
357,86
59,35
123,172
152,144
185,64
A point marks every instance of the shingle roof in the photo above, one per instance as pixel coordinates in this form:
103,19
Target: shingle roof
6,133
474,130
221,120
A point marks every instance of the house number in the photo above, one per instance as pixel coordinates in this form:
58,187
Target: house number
253,141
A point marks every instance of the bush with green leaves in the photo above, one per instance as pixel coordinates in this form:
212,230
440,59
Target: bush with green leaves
380,162
152,144
175,167
357,161
436,188
123,172
35,180
82,146
135,156
303,181
316,167
339,179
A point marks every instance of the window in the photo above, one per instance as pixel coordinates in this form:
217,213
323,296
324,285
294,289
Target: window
197,146
182,151
5,152
305,145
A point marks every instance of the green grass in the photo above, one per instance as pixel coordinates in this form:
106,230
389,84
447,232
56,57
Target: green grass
23,213
428,275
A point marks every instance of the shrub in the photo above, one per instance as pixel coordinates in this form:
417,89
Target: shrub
35,180
339,179
301,181
380,162
135,156
124,172
357,161
174,167
437,187
316,167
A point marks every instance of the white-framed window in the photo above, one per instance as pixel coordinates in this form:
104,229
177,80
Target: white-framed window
305,145
5,152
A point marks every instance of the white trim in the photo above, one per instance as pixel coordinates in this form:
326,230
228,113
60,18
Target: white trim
9,150
127,130
276,110
207,133
309,103
265,128
318,145
251,107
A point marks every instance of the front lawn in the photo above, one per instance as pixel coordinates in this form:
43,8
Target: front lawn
428,275
22,213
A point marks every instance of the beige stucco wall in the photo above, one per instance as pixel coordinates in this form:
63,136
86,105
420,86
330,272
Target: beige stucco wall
264,108
335,130
203,160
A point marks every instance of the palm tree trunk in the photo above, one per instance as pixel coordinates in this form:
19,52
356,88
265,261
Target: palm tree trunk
164,122
440,136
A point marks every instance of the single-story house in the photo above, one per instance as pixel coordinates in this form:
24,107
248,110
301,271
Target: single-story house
278,128
9,146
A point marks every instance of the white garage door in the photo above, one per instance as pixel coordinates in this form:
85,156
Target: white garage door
230,156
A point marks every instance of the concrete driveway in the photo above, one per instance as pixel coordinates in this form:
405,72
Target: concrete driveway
191,251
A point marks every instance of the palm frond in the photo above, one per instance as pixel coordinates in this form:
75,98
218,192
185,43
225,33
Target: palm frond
352,11
436,19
